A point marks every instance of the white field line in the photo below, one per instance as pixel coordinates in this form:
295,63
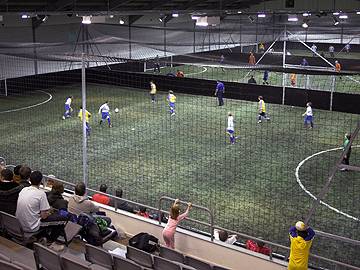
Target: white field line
312,195
31,106
196,73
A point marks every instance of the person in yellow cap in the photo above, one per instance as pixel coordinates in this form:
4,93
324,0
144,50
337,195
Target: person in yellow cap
301,237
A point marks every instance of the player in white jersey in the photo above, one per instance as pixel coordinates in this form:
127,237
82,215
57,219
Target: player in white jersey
308,116
104,110
68,109
230,130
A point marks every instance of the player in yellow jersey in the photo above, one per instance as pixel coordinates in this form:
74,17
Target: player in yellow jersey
87,118
153,91
301,237
262,110
171,98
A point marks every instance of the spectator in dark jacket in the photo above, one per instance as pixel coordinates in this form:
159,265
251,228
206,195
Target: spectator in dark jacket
17,177
9,192
54,197
25,172
122,204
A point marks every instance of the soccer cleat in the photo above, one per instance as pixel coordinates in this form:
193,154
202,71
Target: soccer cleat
259,121
63,118
173,114
110,126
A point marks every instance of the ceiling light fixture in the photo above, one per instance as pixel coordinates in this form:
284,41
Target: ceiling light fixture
358,12
121,21
305,24
25,16
195,17
261,15
175,15
336,21
343,16
86,19
336,13
239,12
45,18
306,14
292,18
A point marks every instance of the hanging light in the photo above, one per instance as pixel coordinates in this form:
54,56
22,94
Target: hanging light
336,21
343,16
306,14
175,15
261,15
305,24
292,18
86,19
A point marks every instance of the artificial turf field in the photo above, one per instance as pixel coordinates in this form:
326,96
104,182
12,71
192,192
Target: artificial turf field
251,186
343,84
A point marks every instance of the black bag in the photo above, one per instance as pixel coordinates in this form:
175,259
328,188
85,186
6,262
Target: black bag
145,242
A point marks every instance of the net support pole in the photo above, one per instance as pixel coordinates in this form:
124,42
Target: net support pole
333,81
6,89
84,137
283,75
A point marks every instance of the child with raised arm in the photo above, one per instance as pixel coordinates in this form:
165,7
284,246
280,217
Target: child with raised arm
174,219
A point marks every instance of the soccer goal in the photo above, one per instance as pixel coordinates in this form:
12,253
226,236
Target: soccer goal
3,88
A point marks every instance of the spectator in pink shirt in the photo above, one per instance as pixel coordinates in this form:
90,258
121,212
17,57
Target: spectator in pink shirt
174,219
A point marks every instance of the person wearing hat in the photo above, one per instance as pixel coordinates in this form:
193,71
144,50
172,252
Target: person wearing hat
301,237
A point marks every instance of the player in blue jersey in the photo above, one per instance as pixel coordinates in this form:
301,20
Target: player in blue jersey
104,110
68,109
171,98
219,92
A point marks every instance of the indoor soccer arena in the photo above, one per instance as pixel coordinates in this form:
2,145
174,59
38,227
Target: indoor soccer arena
204,134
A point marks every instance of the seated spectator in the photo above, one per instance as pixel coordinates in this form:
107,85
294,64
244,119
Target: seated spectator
252,80
170,74
223,236
80,203
9,192
180,74
6,180
33,212
25,176
101,198
258,246
122,204
142,212
17,177
54,197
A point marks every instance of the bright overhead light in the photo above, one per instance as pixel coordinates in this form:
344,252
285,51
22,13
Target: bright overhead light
336,13
305,25
239,12
336,21
202,23
121,21
358,12
111,16
45,18
175,15
306,14
195,17
261,15
25,16
343,16
292,18
86,19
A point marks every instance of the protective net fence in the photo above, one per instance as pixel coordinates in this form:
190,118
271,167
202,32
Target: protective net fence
260,185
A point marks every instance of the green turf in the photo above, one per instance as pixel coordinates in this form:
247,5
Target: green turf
344,84
251,185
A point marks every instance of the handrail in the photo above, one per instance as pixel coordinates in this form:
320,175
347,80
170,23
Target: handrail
211,215
212,227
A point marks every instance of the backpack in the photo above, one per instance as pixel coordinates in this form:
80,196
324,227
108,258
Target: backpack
90,230
145,242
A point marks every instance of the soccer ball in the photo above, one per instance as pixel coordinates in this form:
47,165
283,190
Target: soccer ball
116,110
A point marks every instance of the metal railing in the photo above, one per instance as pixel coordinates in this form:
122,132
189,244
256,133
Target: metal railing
211,225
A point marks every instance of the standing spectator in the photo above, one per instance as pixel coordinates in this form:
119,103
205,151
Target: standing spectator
304,62
219,92
313,49
293,79
258,246
101,198
25,172
262,110
331,51
33,212
252,60
308,114
17,177
347,48
301,238
223,236
157,64
174,219
55,198
153,91
6,180
266,77
252,80
346,159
